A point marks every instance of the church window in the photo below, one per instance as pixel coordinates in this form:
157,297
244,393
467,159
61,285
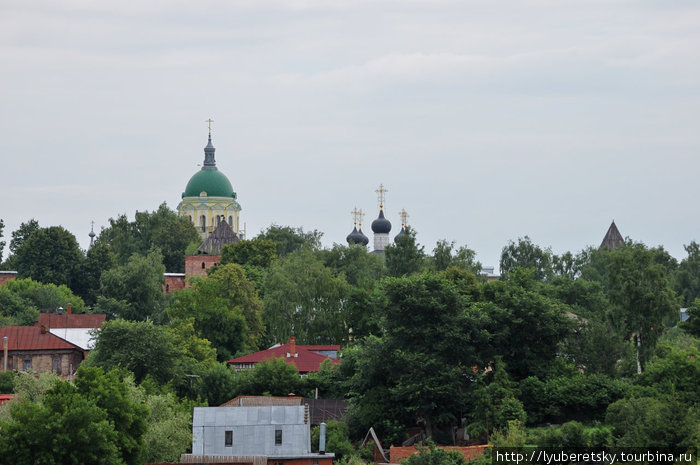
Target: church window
218,220
203,223
203,266
230,222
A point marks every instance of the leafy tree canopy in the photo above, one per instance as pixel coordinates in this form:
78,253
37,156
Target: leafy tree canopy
162,229
445,255
50,255
21,301
406,256
290,239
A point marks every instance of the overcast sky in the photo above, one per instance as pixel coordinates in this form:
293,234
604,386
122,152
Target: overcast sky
486,120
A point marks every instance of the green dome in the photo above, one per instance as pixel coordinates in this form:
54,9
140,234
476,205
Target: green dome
212,181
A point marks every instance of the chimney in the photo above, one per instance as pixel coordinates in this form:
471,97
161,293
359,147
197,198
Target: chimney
68,309
322,440
292,347
43,329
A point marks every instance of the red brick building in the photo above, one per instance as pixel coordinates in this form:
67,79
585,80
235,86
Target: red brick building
306,358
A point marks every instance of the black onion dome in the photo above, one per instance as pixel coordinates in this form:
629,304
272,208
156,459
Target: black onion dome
400,234
355,237
365,239
381,225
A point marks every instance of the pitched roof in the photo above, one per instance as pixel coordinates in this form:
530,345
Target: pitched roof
613,238
32,338
257,401
73,320
303,357
221,236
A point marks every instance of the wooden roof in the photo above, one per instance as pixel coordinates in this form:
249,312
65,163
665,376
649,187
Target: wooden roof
613,238
221,236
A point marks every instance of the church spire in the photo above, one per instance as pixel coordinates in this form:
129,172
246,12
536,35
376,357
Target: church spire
209,161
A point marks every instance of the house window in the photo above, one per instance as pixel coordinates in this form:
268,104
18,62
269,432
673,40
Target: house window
203,265
27,365
228,438
278,437
56,365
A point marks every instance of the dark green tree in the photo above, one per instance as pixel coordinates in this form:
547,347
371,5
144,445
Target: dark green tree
445,255
65,428
359,267
686,279
21,300
108,392
304,299
22,234
526,325
50,255
432,455
635,279
525,254
2,243
290,239
256,252
162,229
138,346
99,258
225,308
406,256
135,289
692,325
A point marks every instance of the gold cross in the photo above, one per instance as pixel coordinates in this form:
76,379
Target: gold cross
209,121
381,191
403,215
355,215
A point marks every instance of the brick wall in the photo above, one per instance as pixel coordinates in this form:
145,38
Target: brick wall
174,283
6,276
197,265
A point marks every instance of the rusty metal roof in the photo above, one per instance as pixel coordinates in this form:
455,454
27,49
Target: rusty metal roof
73,320
32,338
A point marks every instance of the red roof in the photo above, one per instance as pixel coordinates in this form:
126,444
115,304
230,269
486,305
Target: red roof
73,320
304,358
31,338
6,398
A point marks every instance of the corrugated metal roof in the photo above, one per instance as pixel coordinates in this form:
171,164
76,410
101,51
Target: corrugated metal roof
73,320
257,401
31,338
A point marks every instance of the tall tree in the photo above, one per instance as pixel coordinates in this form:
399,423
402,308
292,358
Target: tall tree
406,256
290,239
162,229
360,267
304,299
134,291
22,234
686,279
256,252
225,308
525,254
2,243
636,282
50,255
445,255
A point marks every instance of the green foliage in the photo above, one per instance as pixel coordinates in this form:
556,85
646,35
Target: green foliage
257,252
289,240
304,299
648,422
108,392
364,311
431,455
22,234
32,389
7,381
225,308
99,258
272,377
494,402
686,279
692,325
597,347
139,346
527,326
337,439
137,286
65,428
359,267
674,374
525,254
50,255
21,300
513,435
573,434
405,257
218,384
445,256
635,279
162,229
169,431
